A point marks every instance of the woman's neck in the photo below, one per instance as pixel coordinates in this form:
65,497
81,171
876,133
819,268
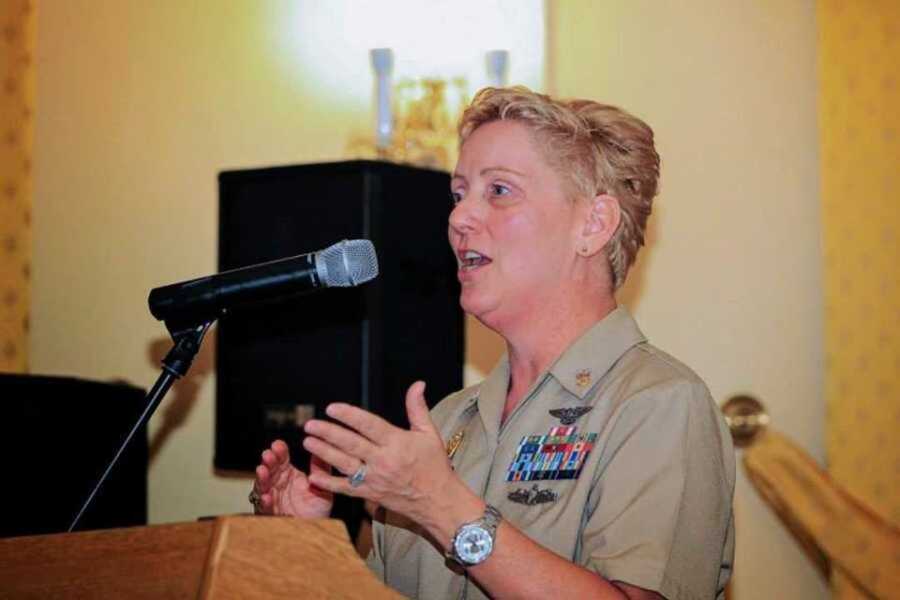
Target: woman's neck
539,342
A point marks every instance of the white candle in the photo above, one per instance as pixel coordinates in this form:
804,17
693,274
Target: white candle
383,63
497,65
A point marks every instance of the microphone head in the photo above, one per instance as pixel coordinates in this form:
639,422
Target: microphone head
347,263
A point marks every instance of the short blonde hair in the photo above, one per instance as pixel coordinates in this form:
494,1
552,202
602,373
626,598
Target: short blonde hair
597,148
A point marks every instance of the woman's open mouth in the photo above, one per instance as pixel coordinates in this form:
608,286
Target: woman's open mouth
470,260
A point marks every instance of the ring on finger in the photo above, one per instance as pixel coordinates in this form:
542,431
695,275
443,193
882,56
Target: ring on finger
256,501
358,477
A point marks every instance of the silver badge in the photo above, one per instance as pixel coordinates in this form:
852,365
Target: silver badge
532,496
567,416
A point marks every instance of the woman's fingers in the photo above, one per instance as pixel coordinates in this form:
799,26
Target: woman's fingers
417,410
284,490
276,455
263,480
336,485
266,503
340,437
369,425
262,486
317,465
281,451
269,459
273,460
339,459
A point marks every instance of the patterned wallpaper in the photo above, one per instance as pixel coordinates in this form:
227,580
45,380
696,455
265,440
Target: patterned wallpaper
859,125
16,105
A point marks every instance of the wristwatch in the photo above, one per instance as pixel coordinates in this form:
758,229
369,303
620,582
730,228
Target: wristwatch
474,541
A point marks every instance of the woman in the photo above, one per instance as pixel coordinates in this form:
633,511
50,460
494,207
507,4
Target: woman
588,463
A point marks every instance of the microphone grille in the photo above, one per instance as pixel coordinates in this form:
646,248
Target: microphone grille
347,263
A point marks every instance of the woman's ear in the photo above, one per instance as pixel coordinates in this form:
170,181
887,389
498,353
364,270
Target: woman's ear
601,222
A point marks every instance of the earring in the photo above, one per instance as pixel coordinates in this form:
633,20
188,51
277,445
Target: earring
584,250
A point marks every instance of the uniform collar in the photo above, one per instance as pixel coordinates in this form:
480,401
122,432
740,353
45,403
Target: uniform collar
577,370
596,351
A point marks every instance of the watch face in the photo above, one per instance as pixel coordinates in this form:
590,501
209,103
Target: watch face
473,544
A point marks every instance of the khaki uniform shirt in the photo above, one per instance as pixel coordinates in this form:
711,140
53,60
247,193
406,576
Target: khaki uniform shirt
634,481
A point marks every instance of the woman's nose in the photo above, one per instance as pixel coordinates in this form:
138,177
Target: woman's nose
463,217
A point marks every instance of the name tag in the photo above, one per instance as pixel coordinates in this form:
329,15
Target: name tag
560,454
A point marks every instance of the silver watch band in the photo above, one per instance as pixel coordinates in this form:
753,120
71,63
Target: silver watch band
491,518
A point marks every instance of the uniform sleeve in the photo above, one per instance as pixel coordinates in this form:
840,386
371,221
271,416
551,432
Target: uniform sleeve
375,559
660,508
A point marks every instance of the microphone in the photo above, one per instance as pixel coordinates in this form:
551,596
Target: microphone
345,264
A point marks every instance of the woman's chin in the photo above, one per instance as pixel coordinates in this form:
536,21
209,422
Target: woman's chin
478,306
471,302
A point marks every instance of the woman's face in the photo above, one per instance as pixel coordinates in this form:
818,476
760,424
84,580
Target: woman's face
513,229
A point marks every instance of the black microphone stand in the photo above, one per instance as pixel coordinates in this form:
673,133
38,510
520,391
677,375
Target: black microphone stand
187,339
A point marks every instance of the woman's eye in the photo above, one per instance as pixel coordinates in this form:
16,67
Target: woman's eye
498,189
455,197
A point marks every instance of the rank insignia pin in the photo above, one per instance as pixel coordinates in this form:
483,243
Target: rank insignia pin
567,416
453,443
583,378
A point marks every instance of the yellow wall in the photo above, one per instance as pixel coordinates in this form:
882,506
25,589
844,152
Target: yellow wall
16,110
859,121
730,282
140,105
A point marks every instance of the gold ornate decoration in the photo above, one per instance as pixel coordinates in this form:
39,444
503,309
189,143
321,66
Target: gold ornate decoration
426,112
454,443
583,378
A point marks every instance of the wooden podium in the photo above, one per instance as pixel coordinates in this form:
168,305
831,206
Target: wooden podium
231,557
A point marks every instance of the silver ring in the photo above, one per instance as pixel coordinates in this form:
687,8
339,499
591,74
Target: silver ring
359,477
255,500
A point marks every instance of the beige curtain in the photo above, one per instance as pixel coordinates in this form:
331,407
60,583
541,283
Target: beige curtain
859,125
16,111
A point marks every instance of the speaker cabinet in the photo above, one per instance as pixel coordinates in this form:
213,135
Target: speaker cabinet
280,364
57,435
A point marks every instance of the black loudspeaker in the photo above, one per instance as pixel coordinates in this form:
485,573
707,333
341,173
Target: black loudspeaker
57,435
280,364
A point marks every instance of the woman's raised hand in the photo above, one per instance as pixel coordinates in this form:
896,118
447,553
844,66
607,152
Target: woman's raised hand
285,490
406,470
